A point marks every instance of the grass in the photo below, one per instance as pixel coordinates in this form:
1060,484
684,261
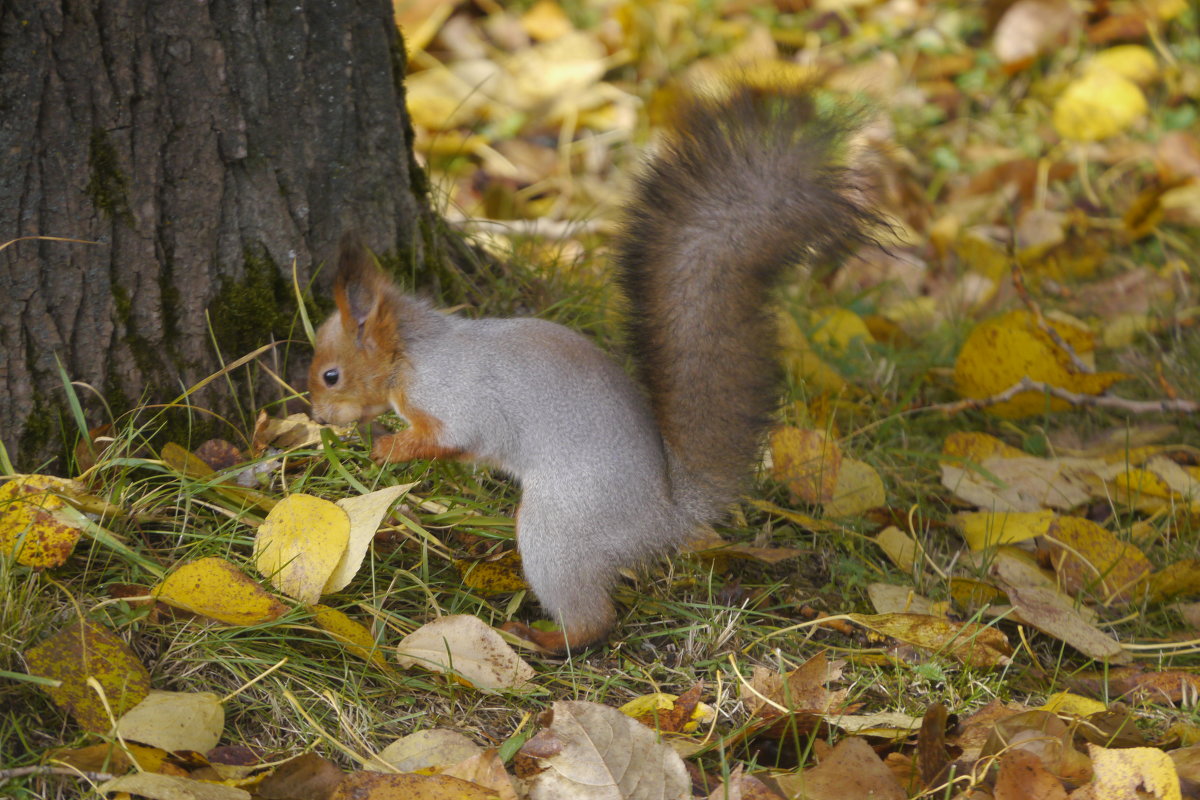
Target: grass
686,620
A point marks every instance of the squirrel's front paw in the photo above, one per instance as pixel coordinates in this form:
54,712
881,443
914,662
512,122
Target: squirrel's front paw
388,449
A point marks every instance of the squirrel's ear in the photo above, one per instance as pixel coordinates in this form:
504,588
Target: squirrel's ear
358,284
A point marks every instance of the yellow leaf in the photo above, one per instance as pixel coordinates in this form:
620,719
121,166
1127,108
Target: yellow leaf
299,545
89,650
175,721
807,462
546,20
1122,772
903,551
969,594
1178,577
976,447
838,328
987,528
658,706
969,642
1088,556
859,489
1098,105
1131,61
1068,703
357,639
1002,351
219,590
801,364
31,526
494,575
365,512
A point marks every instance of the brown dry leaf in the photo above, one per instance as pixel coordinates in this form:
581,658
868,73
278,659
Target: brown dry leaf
769,694
409,786
931,756
487,770
807,462
1168,687
495,575
300,544
111,758
742,787
1052,612
971,643
593,751
305,777
175,721
1043,735
435,748
1030,28
462,645
670,713
1133,772
1025,484
31,525
887,598
217,589
1086,556
1002,351
851,769
89,650
1022,777
293,432
171,787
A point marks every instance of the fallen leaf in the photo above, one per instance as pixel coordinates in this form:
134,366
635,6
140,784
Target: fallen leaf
497,575
429,749
357,639
807,462
1098,105
983,529
171,787
1001,351
409,786
175,721
858,489
365,513
592,751
31,527
1030,28
89,650
1086,556
462,645
969,642
670,713
487,770
1054,613
306,777
217,589
299,545
900,548
1120,773
851,769
1022,777
887,598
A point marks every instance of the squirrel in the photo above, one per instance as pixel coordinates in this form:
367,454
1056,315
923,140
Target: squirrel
614,471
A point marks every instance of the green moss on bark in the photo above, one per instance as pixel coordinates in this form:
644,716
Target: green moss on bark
107,186
250,311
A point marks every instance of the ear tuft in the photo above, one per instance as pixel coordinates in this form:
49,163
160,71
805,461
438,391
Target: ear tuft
358,283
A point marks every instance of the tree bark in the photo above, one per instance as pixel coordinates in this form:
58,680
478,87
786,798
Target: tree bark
203,147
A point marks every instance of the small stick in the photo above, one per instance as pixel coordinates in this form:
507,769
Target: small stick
1027,384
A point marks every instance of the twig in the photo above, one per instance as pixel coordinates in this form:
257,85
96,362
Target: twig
1027,384
20,772
1018,279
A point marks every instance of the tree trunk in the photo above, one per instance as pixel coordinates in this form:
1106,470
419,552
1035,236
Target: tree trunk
202,147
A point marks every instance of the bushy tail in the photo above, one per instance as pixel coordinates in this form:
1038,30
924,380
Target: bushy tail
746,185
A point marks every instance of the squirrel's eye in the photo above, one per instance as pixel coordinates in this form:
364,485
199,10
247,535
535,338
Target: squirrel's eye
330,376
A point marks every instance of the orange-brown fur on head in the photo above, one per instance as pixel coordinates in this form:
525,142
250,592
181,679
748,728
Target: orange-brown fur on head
359,350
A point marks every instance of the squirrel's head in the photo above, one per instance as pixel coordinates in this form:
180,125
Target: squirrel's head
358,348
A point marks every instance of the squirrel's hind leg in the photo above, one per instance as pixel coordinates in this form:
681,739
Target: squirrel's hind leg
571,580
